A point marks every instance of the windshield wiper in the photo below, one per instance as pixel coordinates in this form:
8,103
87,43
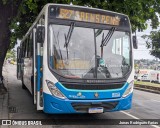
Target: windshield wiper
105,40
108,37
69,34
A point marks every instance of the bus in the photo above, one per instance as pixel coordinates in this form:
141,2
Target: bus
76,59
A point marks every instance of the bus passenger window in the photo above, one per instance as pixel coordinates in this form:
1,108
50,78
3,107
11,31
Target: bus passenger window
30,46
116,49
126,49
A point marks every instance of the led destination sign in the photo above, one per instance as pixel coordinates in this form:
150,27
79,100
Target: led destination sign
88,17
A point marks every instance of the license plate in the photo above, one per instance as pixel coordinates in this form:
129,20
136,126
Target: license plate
95,110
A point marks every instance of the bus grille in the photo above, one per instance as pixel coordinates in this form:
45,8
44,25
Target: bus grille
84,107
93,86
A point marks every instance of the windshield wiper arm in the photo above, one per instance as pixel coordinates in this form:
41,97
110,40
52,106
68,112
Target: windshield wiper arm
107,37
69,34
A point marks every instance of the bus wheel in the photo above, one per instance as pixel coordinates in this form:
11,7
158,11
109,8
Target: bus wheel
23,85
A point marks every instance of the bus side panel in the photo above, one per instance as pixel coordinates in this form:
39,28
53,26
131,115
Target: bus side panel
27,73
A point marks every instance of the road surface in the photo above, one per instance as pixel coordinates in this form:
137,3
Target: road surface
145,106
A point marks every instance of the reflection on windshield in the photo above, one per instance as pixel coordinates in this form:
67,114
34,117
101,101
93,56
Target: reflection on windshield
82,62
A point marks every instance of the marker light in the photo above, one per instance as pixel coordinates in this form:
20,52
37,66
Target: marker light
55,91
129,90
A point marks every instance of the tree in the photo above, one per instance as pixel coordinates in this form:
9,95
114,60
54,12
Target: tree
22,13
153,42
138,11
8,10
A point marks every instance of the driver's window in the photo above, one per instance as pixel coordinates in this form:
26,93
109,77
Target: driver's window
117,46
126,48
121,47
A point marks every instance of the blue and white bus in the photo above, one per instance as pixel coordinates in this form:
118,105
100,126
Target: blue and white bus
77,59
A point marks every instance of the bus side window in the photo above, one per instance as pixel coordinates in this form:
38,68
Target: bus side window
26,49
116,48
22,50
40,30
126,48
30,46
31,40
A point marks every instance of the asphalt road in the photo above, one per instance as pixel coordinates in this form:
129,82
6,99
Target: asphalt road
145,106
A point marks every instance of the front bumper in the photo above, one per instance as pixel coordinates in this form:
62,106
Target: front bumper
54,105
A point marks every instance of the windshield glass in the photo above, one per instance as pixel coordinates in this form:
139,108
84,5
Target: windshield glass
84,56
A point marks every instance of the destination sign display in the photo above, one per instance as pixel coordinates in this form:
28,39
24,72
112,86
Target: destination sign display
88,17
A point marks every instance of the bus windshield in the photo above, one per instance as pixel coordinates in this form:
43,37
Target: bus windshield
85,56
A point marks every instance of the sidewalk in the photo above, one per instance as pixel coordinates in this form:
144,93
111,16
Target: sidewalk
4,98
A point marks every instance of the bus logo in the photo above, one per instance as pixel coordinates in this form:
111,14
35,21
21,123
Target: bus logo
96,95
79,94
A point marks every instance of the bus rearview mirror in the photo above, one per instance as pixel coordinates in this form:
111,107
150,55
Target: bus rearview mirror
135,42
40,34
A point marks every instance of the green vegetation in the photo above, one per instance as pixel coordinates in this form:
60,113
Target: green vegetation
147,83
153,42
138,11
11,55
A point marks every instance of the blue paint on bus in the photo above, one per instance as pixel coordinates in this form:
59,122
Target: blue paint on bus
60,106
39,74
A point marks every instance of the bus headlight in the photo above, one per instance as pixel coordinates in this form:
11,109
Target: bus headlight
54,90
129,90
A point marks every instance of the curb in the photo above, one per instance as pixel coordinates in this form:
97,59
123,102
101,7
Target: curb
147,88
